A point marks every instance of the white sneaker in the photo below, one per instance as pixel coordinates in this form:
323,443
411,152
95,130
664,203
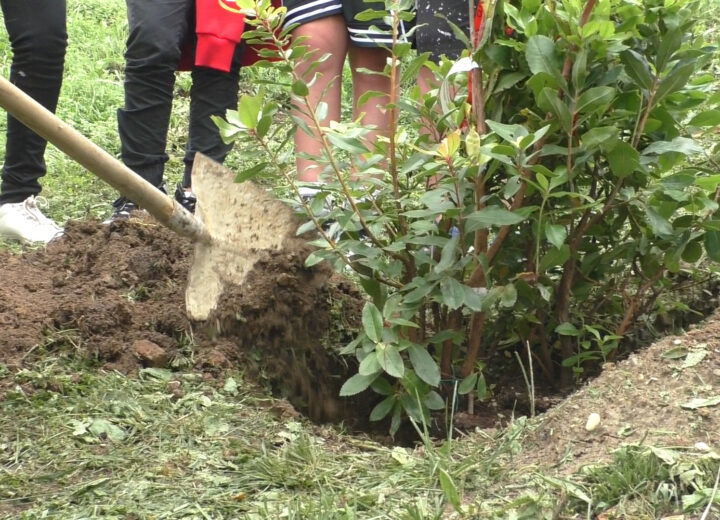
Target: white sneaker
25,222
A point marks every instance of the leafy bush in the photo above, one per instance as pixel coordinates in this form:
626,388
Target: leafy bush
552,211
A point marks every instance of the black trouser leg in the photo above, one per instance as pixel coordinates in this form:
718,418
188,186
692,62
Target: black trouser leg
38,38
158,29
213,92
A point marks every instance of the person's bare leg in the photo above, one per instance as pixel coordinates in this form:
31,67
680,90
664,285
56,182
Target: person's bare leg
326,35
373,110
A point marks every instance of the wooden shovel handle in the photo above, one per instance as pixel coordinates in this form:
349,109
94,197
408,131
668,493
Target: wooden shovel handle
96,160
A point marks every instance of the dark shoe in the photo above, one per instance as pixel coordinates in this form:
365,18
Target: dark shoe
186,198
123,209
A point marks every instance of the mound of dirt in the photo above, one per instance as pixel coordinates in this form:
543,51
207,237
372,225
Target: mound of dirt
665,395
116,293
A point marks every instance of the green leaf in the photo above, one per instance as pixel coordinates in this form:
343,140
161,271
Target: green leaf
356,384
251,172
509,80
556,234
230,386
683,145
447,255
228,132
692,253
669,44
383,408
369,365
707,118
300,88
579,70
453,292
349,144
549,100
554,257
567,329
315,258
474,297
390,359
676,79
467,385
424,365
594,98
413,408
712,245
411,70
637,68
433,401
481,390
623,159
161,374
604,28
249,109
420,292
541,57
699,402
675,353
450,490
492,216
508,295
103,427
369,15
367,96
382,386
599,135
321,111
542,182
472,143
510,133
659,225
263,125
372,322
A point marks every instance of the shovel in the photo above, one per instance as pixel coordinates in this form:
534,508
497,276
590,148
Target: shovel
236,224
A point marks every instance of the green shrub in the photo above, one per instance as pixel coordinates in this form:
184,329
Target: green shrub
553,211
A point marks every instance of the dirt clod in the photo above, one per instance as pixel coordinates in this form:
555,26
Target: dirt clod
150,354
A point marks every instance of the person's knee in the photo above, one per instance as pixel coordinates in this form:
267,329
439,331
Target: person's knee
41,44
149,46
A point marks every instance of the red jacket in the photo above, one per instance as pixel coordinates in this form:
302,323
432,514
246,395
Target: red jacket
219,26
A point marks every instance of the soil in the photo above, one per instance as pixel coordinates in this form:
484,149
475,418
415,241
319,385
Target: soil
649,398
115,294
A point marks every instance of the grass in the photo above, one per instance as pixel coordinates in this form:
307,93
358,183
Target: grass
80,443
108,446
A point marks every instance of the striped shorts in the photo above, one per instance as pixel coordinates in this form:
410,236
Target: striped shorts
374,33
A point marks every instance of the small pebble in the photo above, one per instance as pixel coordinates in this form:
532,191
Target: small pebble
593,421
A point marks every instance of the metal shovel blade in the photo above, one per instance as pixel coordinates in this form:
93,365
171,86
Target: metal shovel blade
244,222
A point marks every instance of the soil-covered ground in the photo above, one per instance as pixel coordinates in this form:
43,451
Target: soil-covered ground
665,395
116,294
